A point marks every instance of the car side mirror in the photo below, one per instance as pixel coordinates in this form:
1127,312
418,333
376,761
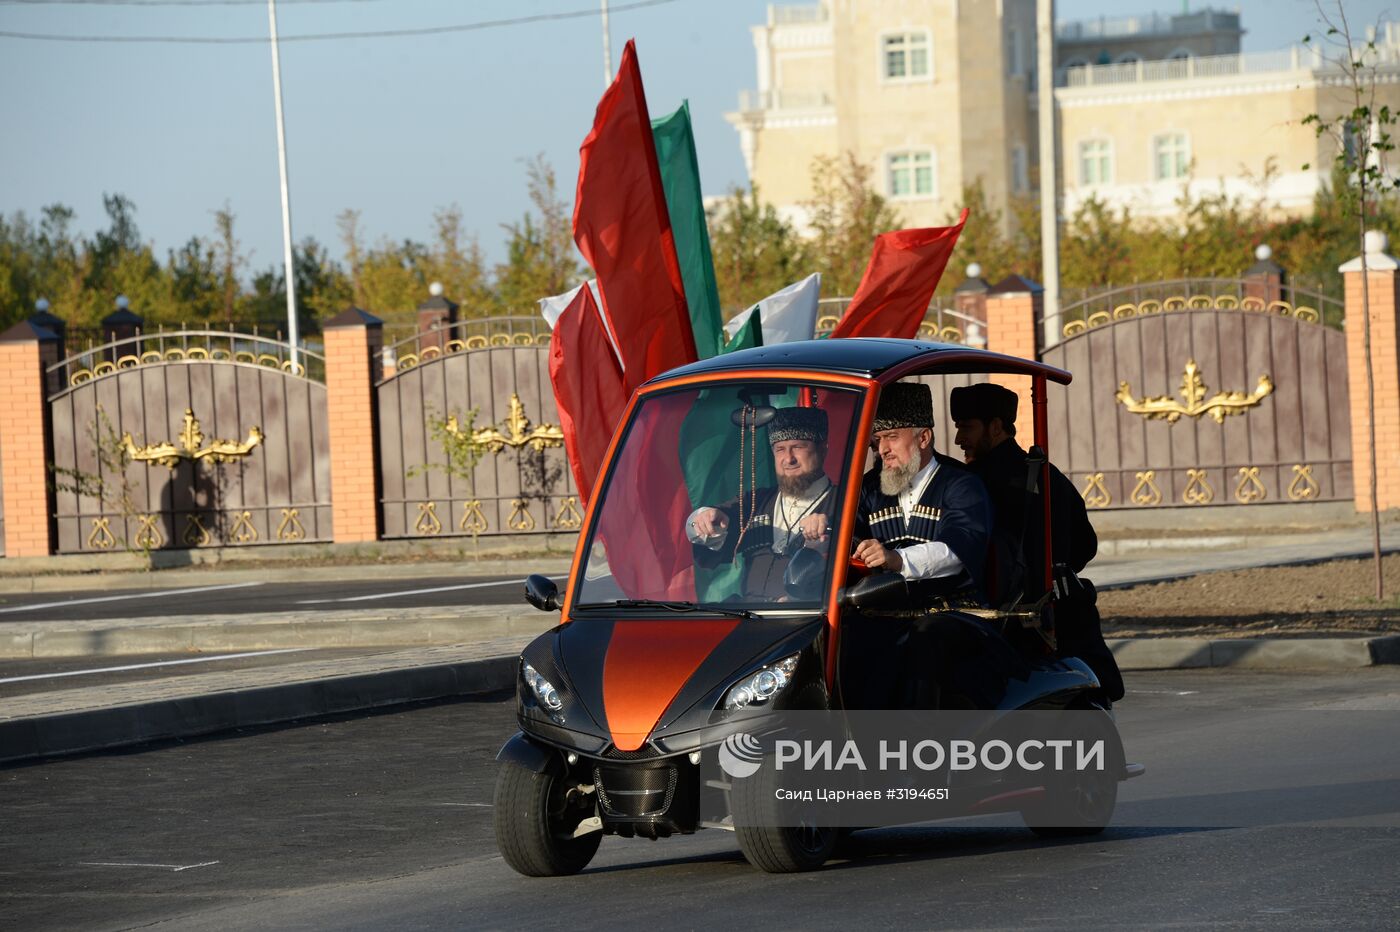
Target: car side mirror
541,592
879,592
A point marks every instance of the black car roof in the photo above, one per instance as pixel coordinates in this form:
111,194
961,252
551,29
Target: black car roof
874,357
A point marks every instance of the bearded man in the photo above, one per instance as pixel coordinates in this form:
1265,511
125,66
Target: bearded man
921,514
924,516
797,513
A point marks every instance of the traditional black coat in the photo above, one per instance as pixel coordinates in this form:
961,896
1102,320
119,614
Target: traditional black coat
763,569
953,510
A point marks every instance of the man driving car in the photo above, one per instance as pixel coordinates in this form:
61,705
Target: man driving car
795,513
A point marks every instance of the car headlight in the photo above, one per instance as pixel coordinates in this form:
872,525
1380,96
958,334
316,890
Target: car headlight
543,689
759,687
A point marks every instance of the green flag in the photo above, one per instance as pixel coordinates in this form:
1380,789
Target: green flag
749,335
680,178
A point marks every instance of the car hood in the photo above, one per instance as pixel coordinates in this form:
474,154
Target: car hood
639,676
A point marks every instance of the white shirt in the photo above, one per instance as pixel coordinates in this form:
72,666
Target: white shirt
931,560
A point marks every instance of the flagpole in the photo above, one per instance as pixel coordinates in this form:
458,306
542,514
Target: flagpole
607,49
293,336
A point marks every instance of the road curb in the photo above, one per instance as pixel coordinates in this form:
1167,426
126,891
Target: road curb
191,716
1255,653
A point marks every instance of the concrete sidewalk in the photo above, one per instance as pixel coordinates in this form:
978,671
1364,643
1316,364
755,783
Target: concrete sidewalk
440,653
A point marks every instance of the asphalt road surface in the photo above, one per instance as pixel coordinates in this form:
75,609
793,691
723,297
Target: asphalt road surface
260,597
1258,810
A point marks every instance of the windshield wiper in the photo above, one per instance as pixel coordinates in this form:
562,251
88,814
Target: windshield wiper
674,606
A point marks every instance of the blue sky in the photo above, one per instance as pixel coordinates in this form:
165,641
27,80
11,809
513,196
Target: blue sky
393,127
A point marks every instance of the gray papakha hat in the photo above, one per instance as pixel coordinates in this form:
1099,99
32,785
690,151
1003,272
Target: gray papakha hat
904,404
798,424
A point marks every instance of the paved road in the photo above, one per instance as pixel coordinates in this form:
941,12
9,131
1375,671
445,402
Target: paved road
261,597
369,588
1258,810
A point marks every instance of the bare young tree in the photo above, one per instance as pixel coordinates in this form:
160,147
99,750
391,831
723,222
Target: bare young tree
1362,135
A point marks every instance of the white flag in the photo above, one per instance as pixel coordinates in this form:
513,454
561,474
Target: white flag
784,316
552,307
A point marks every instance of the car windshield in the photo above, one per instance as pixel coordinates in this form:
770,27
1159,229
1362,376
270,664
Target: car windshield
723,497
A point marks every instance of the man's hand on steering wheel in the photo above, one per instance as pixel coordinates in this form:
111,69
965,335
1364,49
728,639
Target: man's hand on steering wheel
814,529
877,556
708,522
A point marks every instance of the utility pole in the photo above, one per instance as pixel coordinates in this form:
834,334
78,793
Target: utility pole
607,49
289,273
1049,177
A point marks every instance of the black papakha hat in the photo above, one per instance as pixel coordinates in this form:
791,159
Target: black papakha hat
797,424
904,404
982,402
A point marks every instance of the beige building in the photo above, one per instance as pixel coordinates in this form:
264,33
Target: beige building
933,95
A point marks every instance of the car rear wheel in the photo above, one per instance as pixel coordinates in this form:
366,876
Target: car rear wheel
536,817
1082,804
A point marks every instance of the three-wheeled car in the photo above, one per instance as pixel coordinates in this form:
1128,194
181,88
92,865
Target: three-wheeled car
619,705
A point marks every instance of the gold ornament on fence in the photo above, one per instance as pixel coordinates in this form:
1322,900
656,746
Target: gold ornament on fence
1095,492
290,528
243,530
1146,492
1200,302
191,446
1303,487
473,521
1193,390
520,518
1198,490
101,537
518,431
428,522
568,517
1250,489
196,534
148,535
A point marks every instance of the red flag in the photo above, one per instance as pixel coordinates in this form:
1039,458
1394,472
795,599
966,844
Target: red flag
622,229
588,387
898,284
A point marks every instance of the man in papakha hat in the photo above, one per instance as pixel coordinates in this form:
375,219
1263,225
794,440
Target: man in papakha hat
985,417
926,517
796,513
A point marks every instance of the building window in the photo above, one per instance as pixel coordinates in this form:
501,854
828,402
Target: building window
905,56
1013,52
1020,174
1129,58
1171,156
1181,55
910,173
1095,162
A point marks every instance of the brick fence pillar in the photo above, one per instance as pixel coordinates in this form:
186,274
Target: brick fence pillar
354,340
1014,306
1383,277
24,439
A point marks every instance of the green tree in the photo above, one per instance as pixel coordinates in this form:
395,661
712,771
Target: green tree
1362,135
756,252
541,259
846,213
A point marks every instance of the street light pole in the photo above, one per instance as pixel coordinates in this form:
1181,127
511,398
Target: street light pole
1049,177
289,273
607,49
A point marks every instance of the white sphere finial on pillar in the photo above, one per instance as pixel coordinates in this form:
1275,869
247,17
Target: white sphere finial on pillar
1376,242
974,270
123,302
1263,252
435,289
41,305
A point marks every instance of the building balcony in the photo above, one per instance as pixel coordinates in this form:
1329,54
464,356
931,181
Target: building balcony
750,101
1213,66
1149,26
